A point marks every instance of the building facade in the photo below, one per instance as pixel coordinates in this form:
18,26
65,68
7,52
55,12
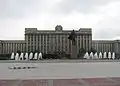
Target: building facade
49,41
103,45
9,46
116,47
106,45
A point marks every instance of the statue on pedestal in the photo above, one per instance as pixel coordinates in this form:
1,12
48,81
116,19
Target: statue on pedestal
73,37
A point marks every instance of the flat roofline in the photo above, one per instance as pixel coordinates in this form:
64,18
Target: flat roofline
103,40
12,40
70,29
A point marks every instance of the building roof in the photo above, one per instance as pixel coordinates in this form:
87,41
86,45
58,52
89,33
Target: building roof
57,31
103,41
13,41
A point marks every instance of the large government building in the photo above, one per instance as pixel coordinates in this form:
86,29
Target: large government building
106,45
49,41
9,46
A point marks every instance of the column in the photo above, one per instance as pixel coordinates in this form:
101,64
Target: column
109,47
3,48
40,42
33,43
52,42
55,41
70,45
105,47
37,42
68,48
29,47
7,47
64,47
102,47
83,41
46,44
77,43
43,43
26,41
66,43
15,47
10,48
87,42
80,42
112,47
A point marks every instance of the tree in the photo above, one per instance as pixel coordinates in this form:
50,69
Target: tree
81,53
60,54
92,50
117,56
19,52
5,56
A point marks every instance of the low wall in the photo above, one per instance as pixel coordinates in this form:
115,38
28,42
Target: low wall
56,61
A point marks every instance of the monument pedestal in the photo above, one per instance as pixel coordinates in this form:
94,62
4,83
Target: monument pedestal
74,52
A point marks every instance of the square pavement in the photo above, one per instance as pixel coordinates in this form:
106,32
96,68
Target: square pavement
114,81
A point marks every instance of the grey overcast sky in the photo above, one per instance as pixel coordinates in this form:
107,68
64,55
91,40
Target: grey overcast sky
103,16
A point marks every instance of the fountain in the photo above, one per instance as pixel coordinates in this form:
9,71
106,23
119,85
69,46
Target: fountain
105,55
12,56
17,56
26,56
109,55
100,55
21,56
91,55
36,56
31,56
113,55
40,56
96,56
86,56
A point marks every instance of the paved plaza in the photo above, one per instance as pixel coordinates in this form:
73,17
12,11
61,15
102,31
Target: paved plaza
64,73
63,82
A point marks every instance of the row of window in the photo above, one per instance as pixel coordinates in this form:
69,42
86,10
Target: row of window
104,47
54,37
43,47
46,49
